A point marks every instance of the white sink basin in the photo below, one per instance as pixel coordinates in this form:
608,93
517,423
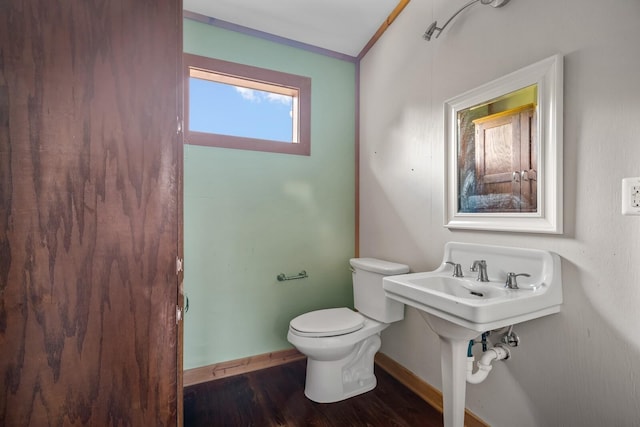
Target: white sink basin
455,288
483,306
460,308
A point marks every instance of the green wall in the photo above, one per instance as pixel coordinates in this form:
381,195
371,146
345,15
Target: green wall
252,215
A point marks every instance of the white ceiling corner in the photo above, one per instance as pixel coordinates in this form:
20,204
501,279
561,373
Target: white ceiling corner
343,26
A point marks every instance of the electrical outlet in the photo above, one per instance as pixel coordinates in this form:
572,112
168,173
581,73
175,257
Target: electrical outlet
631,196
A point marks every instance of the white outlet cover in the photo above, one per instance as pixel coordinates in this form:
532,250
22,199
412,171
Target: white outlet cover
631,196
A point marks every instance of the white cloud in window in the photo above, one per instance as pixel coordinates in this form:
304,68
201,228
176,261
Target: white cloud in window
248,94
276,97
253,95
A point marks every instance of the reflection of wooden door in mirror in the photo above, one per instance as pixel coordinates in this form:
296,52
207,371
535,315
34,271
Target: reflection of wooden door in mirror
506,165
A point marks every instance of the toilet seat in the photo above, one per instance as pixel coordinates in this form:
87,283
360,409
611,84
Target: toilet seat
327,323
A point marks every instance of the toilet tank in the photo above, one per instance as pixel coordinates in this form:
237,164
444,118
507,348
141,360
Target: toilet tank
368,294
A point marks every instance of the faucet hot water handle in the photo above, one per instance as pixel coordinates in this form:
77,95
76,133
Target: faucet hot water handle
512,280
457,269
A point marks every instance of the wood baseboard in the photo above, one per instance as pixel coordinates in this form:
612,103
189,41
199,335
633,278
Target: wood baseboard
427,392
239,366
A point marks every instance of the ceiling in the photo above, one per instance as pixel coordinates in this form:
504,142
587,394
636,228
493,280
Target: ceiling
343,26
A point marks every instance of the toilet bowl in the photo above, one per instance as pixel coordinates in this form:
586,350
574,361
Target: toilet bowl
340,344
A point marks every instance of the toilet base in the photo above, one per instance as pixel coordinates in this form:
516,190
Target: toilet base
333,381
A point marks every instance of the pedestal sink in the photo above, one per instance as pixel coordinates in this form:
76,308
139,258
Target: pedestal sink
461,308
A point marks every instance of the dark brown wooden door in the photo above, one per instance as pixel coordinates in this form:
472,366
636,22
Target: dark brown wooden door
89,182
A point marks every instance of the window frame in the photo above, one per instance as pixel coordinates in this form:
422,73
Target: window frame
256,78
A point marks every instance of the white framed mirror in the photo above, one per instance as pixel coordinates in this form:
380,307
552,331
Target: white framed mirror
504,152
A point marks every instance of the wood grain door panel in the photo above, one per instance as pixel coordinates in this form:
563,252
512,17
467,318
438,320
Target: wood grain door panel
89,165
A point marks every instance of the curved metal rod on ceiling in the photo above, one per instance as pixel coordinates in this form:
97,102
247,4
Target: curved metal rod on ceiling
434,27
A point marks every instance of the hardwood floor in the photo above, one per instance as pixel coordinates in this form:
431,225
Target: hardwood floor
275,397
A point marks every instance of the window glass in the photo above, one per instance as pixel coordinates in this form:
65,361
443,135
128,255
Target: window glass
238,106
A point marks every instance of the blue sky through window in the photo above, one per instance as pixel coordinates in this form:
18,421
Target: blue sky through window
232,110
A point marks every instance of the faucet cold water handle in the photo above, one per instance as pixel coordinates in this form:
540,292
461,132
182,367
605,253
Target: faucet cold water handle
512,280
457,269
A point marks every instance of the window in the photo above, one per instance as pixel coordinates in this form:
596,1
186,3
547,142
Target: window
239,106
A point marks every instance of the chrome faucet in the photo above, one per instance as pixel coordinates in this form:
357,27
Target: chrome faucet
481,267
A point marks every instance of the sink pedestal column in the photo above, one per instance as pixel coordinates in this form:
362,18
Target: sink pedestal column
453,359
454,341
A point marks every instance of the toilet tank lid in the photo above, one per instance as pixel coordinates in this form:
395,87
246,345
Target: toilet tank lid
379,266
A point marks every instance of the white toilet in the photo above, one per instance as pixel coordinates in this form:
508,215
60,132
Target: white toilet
339,343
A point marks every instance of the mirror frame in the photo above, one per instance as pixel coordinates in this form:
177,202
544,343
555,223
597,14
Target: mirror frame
548,75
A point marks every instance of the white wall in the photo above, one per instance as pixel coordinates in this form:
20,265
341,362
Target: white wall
577,368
